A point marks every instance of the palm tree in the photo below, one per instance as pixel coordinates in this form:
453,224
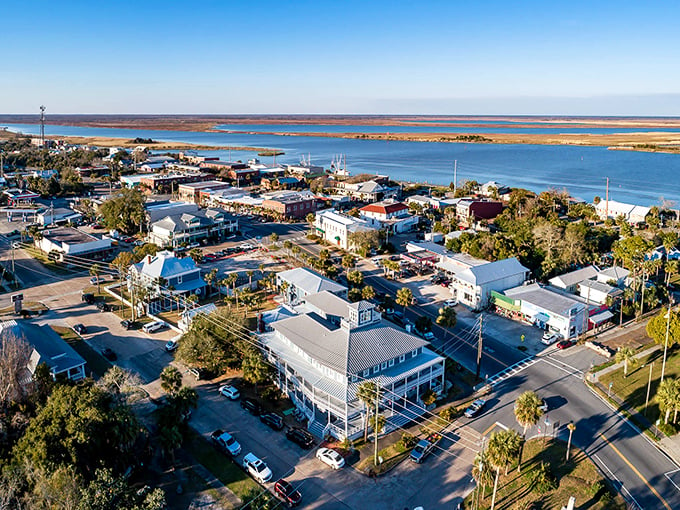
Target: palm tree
627,356
367,292
571,428
368,393
287,245
527,413
481,473
671,270
503,447
404,297
296,251
171,380
348,261
668,396
250,274
311,218
231,279
210,279
447,317
528,410
94,272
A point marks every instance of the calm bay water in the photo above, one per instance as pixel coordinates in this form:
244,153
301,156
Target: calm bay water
635,177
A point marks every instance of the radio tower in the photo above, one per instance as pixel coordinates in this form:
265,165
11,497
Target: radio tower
42,126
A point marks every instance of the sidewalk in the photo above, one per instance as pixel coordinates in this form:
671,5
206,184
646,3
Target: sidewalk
668,445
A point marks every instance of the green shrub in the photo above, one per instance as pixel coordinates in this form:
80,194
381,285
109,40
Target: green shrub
543,480
668,428
408,440
271,393
596,487
448,413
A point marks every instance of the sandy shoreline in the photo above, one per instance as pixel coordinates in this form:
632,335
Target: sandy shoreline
646,141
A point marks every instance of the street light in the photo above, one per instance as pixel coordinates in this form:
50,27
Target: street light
665,345
572,427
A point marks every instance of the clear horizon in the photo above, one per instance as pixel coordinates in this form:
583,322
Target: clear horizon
323,58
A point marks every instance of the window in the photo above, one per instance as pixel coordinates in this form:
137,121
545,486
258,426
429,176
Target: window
383,365
179,279
402,358
414,353
367,372
391,362
354,378
375,369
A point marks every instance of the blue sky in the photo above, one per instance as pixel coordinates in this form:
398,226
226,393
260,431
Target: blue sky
449,57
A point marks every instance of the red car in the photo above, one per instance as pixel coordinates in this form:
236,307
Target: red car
564,344
287,492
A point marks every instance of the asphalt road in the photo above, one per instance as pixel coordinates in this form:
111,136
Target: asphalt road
625,456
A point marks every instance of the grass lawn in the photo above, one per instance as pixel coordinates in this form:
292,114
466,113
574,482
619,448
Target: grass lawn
221,466
579,478
49,264
391,456
633,389
95,361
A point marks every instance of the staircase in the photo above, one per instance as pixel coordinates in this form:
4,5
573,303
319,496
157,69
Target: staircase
316,428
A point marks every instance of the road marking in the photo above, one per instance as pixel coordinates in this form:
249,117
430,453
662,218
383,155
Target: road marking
614,477
670,479
497,424
576,373
635,470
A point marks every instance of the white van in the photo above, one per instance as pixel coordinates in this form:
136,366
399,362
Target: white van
152,327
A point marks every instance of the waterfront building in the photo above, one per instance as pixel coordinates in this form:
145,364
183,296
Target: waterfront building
390,215
633,214
471,210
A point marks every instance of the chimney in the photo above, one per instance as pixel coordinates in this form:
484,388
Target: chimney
148,259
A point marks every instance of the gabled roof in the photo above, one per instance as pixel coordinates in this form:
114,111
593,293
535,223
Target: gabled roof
48,346
613,273
492,271
309,281
347,350
369,187
165,265
328,303
574,277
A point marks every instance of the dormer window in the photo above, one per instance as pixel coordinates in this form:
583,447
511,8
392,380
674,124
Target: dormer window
414,353
375,369
365,316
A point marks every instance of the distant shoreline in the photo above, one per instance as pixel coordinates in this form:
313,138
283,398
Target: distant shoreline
642,141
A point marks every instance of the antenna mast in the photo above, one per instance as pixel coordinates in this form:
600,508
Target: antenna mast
42,126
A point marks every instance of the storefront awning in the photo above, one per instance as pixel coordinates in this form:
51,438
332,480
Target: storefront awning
541,317
599,318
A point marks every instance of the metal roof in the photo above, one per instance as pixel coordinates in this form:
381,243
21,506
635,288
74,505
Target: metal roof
492,271
574,277
309,281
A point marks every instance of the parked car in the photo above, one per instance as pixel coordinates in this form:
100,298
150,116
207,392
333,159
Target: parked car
96,279
127,324
330,458
272,420
109,354
226,442
549,338
475,408
450,303
287,492
252,406
300,437
154,326
544,406
80,329
172,345
564,344
257,468
229,391
103,306
88,298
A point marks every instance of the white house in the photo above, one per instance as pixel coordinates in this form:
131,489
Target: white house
46,347
612,209
597,292
389,214
58,216
322,355
336,227
185,228
302,282
570,281
473,285
615,275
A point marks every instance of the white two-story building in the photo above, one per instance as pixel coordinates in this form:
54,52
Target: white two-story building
325,351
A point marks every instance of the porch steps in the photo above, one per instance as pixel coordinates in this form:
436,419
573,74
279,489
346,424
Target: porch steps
403,416
316,428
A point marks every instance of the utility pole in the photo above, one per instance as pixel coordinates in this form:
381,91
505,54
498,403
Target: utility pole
606,204
13,261
649,386
42,136
479,347
455,175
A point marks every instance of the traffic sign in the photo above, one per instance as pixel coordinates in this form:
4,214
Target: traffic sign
17,297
